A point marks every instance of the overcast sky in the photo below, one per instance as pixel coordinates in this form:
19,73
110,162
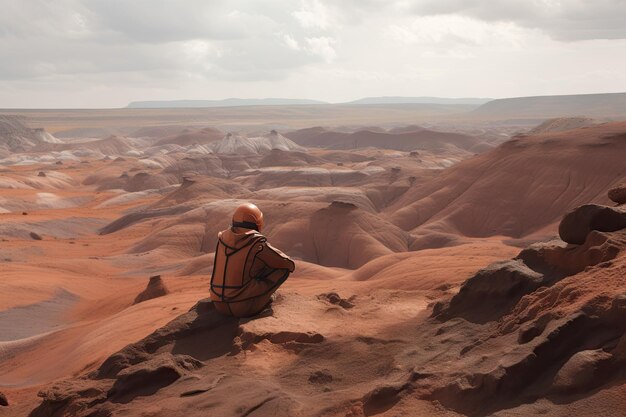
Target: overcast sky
106,53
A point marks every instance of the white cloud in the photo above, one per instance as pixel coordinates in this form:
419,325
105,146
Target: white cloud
72,53
569,20
322,46
452,30
313,14
291,42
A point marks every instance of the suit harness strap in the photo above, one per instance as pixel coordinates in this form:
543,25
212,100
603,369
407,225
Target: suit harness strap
246,225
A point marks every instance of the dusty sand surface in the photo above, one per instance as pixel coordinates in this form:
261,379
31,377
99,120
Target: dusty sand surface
415,293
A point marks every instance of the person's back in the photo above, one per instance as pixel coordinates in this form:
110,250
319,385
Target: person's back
247,270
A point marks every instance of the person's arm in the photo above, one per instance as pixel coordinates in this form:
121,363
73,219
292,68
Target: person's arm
274,258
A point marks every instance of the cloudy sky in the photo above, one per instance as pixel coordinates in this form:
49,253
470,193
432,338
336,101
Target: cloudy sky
106,53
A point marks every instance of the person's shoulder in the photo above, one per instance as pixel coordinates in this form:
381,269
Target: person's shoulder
260,237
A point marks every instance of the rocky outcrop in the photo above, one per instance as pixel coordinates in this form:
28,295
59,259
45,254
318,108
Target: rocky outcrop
16,137
145,367
175,353
502,284
577,224
550,323
148,377
618,194
156,288
495,290
583,371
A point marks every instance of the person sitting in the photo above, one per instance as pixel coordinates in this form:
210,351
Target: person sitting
247,270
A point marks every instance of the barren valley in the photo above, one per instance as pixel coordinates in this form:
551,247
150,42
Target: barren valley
448,263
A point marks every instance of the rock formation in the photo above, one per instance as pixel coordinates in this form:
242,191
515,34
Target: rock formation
156,288
618,194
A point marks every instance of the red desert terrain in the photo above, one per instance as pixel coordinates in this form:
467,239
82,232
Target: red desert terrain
459,272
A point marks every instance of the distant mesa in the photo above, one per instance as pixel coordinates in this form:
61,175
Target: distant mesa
419,100
229,102
156,288
542,107
240,102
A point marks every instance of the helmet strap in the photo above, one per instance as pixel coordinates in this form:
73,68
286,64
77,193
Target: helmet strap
246,225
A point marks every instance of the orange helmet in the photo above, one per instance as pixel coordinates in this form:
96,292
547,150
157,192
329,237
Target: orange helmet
248,216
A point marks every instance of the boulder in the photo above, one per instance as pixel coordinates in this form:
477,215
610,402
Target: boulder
577,224
321,377
492,292
334,298
156,288
556,260
618,194
582,371
3,400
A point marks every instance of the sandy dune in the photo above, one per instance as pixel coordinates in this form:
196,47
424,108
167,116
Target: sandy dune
520,188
